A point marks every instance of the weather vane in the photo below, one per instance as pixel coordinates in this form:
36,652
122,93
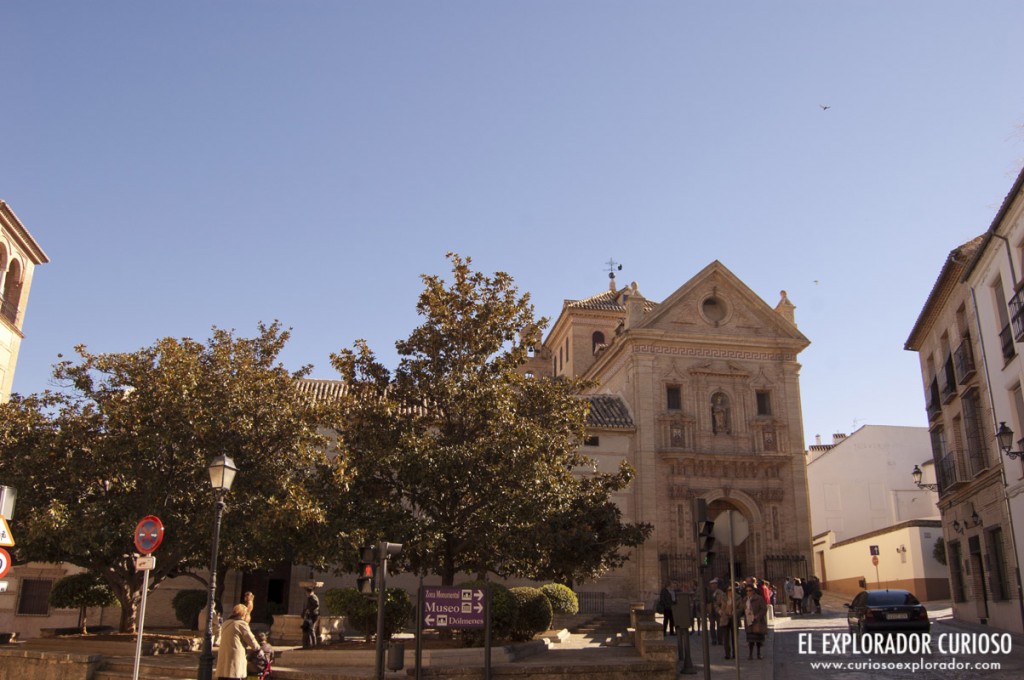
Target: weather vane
613,267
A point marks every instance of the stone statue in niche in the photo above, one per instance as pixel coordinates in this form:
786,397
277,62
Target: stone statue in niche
720,413
769,440
676,437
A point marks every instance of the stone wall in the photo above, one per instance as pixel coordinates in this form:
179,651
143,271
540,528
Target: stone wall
30,665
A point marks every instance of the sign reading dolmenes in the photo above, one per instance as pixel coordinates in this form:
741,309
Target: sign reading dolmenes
452,607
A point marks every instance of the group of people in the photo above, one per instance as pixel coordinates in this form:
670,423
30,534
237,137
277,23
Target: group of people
745,605
241,652
803,596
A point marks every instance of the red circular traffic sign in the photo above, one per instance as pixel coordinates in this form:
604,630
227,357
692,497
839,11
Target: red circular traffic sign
5,562
149,534
874,560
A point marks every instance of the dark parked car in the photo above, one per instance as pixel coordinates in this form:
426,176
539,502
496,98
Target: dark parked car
887,611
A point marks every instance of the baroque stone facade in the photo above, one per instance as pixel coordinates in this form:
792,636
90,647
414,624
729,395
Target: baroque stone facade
709,382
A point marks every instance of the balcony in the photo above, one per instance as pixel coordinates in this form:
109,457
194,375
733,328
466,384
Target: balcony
1006,341
1016,306
948,474
963,358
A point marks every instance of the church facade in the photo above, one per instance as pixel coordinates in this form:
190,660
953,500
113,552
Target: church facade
701,394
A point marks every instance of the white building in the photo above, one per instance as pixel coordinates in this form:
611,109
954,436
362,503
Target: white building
863,500
995,279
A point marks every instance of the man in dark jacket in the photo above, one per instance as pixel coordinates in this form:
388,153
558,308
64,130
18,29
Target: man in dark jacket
310,618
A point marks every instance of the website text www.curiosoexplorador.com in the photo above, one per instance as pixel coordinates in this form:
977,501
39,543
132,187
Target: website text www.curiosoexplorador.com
877,645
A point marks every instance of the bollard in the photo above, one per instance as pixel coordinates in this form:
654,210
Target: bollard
396,656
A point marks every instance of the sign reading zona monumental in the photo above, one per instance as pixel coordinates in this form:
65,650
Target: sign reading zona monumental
452,607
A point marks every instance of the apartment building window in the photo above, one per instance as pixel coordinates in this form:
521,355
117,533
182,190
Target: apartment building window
34,597
972,418
1002,313
673,398
997,567
592,440
764,403
956,574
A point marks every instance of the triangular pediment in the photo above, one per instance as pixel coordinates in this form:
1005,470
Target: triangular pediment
716,303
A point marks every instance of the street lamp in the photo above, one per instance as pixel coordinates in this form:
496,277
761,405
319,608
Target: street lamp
917,474
1004,436
222,474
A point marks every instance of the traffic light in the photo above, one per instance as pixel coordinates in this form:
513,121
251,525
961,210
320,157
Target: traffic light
367,578
705,538
707,542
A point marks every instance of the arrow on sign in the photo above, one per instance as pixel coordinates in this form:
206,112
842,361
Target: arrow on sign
477,608
429,620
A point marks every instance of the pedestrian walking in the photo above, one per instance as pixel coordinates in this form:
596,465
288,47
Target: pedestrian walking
310,618
666,599
755,621
235,638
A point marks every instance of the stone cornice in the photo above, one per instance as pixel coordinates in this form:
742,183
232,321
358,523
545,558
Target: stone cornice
19,233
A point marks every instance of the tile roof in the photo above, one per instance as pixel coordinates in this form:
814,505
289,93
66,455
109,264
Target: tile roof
605,301
321,390
608,410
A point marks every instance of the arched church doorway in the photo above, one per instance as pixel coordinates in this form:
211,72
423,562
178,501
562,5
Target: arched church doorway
743,557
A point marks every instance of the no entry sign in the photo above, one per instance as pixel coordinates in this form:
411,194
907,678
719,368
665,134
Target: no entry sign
5,562
149,534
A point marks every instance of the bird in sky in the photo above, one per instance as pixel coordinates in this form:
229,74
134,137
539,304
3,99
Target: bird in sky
824,107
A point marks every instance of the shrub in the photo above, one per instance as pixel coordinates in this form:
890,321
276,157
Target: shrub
361,610
563,599
534,613
187,606
80,591
504,610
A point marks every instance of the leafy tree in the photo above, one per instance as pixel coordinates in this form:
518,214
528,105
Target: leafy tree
587,536
132,434
470,461
81,591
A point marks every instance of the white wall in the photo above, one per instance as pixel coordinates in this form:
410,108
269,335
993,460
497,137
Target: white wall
863,483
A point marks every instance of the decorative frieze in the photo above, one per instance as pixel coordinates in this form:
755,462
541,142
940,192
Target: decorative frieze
713,353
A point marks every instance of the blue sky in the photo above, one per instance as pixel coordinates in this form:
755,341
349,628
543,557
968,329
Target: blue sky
193,164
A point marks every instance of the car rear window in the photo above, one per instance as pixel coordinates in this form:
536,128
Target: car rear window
890,598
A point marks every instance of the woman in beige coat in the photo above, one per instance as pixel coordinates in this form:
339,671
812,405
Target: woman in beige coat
235,637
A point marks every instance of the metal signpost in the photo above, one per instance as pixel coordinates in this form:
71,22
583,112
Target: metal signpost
149,534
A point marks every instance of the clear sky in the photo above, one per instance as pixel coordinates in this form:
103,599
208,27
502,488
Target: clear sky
192,164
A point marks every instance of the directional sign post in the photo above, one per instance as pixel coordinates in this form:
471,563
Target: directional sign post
451,607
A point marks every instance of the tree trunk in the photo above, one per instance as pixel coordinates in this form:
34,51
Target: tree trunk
81,621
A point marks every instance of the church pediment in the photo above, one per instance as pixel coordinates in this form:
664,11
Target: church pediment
716,303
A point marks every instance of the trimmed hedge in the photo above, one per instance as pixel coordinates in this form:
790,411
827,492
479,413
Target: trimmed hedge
563,599
535,614
361,610
188,604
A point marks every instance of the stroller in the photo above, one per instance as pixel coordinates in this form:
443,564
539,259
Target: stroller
259,666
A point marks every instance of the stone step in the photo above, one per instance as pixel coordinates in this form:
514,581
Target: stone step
120,668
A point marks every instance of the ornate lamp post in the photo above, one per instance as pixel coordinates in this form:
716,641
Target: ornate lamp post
1004,436
222,474
917,474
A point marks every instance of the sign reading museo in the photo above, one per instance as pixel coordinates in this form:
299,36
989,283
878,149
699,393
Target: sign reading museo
450,607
